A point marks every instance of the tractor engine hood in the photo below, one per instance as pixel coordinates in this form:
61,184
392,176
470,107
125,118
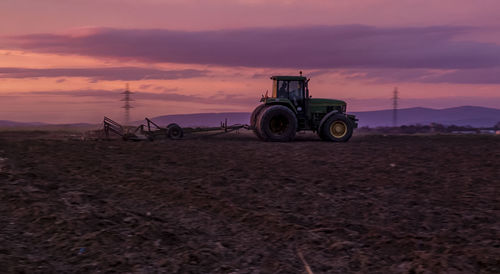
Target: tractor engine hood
318,102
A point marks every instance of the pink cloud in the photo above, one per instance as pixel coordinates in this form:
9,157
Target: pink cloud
96,74
455,76
112,95
348,46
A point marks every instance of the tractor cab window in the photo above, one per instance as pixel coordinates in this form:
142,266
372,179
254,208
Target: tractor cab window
282,89
296,92
275,89
291,90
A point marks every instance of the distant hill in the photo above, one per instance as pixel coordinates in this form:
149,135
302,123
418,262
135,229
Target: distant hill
44,126
460,116
5,123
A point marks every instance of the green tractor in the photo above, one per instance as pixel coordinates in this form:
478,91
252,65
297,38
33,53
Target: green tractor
290,109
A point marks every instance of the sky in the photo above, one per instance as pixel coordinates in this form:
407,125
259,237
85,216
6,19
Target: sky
66,61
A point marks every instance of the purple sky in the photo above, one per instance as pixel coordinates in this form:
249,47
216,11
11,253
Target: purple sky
73,57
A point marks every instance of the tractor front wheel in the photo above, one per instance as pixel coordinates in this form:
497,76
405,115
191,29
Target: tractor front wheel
276,124
337,128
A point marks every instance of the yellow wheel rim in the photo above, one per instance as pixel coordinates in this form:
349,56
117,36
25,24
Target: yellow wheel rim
338,129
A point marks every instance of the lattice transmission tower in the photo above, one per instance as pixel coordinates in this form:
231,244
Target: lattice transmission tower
127,106
395,108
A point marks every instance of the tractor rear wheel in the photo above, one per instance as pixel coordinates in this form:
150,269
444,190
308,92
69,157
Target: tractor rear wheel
276,124
253,118
337,128
174,131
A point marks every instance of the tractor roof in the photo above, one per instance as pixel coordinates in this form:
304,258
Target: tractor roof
289,78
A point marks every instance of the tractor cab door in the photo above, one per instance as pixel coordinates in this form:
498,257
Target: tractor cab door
296,95
292,90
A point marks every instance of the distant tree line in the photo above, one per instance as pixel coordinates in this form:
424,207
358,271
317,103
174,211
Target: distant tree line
432,128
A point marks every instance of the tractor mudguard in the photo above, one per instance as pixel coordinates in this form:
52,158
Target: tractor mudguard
328,115
281,101
351,118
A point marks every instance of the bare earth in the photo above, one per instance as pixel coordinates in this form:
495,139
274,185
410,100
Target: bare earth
233,204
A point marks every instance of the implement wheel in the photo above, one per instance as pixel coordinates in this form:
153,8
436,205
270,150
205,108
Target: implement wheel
276,124
336,129
174,131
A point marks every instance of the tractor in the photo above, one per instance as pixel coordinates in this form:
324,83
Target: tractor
290,108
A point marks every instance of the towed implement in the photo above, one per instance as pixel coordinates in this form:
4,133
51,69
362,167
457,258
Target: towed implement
151,131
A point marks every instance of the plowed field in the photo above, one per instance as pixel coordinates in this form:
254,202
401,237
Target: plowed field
233,204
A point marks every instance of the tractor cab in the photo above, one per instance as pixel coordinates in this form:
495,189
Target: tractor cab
293,88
